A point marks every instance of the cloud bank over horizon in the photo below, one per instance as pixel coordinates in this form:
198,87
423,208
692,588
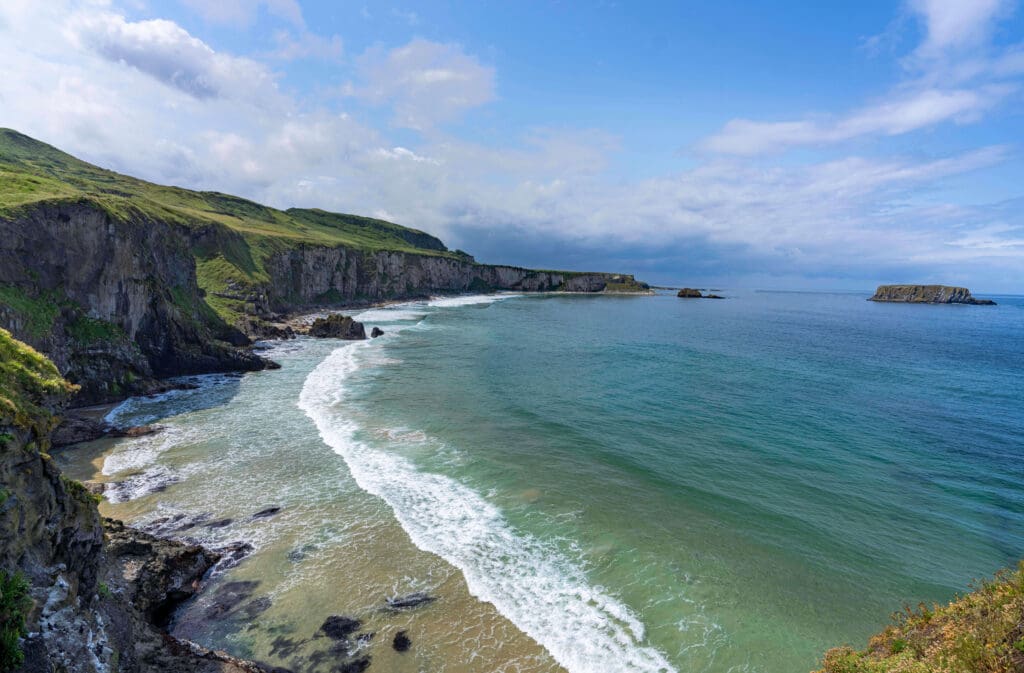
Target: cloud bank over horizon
914,176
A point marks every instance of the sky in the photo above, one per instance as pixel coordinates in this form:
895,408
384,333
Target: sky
781,145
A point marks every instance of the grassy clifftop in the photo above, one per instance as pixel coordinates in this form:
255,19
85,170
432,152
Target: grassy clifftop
29,384
982,632
32,171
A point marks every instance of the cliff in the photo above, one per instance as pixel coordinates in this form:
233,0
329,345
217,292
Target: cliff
75,595
123,282
982,632
927,294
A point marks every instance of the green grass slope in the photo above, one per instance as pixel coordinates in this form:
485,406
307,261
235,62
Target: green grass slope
29,383
32,171
238,235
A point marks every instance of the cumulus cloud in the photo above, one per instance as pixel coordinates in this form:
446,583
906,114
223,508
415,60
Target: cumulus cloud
167,52
426,82
958,23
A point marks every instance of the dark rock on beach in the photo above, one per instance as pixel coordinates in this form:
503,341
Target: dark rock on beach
339,627
355,666
266,513
228,597
410,601
75,428
401,643
337,326
136,431
376,332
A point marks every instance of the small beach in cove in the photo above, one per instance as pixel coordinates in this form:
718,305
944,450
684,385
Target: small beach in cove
589,483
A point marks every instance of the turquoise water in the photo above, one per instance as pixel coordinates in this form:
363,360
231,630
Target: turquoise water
650,483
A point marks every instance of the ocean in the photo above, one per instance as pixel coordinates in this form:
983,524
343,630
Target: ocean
593,483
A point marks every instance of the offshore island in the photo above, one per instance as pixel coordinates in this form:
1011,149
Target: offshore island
109,285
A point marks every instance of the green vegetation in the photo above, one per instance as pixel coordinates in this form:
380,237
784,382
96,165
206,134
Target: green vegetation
29,383
37,313
32,173
14,606
982,632
104,591
627,286
86,330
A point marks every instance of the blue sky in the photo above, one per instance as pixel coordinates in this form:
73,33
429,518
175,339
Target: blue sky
774,145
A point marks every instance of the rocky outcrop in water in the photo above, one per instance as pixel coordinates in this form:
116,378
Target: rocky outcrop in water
927,294
337,326
691,293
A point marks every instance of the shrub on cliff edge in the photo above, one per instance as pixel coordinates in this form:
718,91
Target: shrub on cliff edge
982,632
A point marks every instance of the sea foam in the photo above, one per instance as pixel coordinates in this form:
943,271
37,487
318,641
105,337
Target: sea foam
530,581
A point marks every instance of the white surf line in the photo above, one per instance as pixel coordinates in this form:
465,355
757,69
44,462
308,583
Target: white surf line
528,580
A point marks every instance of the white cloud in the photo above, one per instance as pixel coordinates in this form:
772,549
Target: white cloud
954,24
917,110
426,82
305,44
165,51
954,78
243,12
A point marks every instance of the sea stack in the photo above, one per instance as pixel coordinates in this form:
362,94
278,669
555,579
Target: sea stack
927,294
689,293
337,326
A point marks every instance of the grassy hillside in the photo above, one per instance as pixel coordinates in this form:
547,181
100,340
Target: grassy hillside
28,383
982,632
32,172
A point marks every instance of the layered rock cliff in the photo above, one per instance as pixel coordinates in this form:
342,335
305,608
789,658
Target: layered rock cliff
927,294
97,594
112,300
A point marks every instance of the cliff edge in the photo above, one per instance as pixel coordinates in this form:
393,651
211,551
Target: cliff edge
927,294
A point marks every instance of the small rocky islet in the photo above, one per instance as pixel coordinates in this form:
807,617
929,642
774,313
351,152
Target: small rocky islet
693,293
927,294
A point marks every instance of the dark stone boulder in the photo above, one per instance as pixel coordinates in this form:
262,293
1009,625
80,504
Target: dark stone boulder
75,428
339,627
689,293
713,296
267,513
401,643
337,326
376,332
410,601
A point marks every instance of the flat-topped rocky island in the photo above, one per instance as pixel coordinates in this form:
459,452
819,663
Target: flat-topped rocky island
927,294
